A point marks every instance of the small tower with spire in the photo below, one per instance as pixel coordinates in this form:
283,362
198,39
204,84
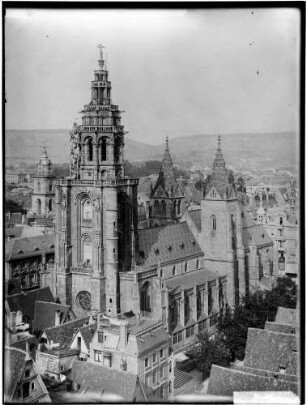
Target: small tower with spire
167,200
44,193
221,227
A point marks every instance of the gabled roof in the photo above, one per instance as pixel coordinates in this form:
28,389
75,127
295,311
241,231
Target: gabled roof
87,333
64,333
44,315
267,350
255,235
167,243
195,216
287,316
152,339
33,246
14,363
104,380
190,279
25,301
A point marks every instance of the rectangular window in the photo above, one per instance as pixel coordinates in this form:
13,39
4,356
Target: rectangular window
33,386
27,373
98,356
146,362
147,381
161,353
174,338
179,336
154,358
161,372
162,392
154,377
100,337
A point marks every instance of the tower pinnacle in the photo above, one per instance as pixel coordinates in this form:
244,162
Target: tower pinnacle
101,60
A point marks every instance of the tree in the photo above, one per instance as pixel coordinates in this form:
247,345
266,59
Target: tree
208,351
252,312
13,206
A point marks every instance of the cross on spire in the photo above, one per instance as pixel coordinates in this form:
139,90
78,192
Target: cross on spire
100,47
219,142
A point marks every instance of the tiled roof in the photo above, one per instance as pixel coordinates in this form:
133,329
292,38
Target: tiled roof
152,339
280,327
44,315
25,301
255,235
14,363
23,231
287,316
190,279
269,351
14,231
87,333
104,380
195,216
224,381
167,243
32,246
64,333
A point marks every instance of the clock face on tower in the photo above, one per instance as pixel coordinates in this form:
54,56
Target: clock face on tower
83,300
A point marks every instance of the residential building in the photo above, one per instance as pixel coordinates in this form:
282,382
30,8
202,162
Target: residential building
22,380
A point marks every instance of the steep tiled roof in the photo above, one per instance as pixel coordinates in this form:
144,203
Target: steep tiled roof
104,380
224,381
269,351
280,327
152,339
87,333
195,216
44,315
167,243
25,301
190,279
287,316
14,363
255,235
63,334
33,246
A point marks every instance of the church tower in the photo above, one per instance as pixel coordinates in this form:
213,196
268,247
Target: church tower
167,201
221,226
96,208
43,194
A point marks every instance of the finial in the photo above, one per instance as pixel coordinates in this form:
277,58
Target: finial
167,143
219,142
101,51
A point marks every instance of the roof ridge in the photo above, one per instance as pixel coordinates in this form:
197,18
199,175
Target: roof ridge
67,323
13,348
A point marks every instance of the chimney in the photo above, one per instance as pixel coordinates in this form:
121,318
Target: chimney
28,356
57,317
123,335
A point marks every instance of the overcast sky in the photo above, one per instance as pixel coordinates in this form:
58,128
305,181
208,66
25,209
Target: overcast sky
174,72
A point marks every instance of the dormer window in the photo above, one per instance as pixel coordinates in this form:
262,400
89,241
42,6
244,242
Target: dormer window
20,252
169,248
157,251
182,245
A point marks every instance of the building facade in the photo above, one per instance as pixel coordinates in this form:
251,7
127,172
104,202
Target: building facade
96,208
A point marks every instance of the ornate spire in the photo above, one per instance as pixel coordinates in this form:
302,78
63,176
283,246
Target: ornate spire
44,165
219,159
101,60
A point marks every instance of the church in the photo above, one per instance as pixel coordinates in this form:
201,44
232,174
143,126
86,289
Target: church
182,270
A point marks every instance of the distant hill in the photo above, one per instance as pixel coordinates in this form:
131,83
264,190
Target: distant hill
240,150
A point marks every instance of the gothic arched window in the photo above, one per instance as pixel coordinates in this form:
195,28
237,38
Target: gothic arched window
213,222
87,251
210,300
163,208
86,210
50,205
89,150
186,308
156,208
103,148
146,297
38,206
199,304
38,185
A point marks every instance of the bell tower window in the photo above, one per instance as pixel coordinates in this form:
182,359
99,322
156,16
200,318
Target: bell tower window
89,150
87,210
103,146
87,251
